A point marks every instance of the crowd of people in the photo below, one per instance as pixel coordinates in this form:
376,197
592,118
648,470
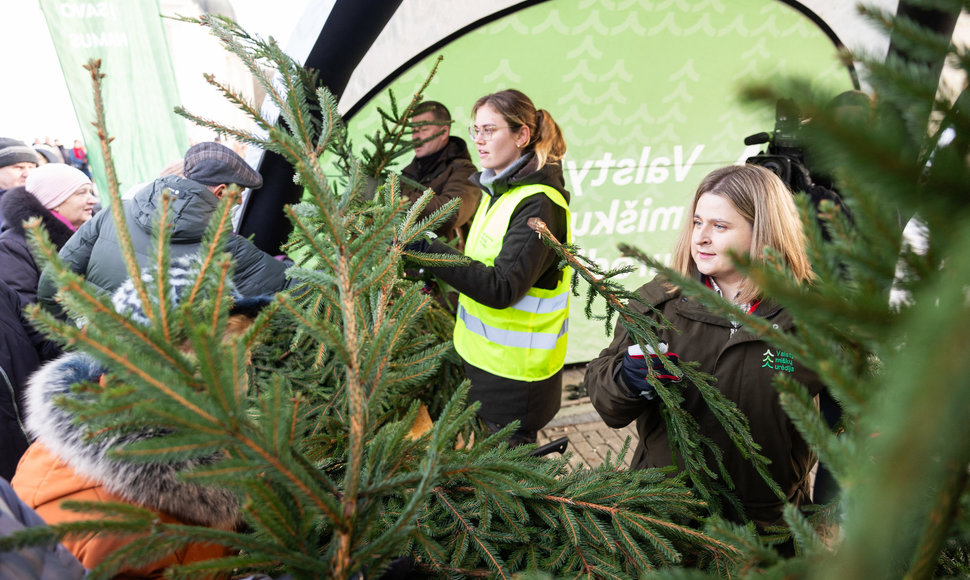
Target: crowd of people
511,315
53,151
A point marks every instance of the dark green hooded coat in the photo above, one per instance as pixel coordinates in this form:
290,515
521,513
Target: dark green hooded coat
95,253
743,365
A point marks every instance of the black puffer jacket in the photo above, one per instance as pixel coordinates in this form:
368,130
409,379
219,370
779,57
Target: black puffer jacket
94,250
22,350
18,268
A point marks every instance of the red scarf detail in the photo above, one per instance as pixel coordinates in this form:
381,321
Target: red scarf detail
754,305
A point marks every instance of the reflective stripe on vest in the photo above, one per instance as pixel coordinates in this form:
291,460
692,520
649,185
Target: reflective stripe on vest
527,340
505,337
542,305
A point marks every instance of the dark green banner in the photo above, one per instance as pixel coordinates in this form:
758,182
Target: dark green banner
139,88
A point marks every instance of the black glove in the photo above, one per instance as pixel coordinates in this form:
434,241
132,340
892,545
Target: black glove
636,367
422,244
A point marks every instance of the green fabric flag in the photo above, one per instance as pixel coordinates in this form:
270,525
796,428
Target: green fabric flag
139,88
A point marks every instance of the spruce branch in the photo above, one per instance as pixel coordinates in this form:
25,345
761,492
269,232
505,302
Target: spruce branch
684,432
114,193
400,123
389,142
939,523
79,298
320,453
161,255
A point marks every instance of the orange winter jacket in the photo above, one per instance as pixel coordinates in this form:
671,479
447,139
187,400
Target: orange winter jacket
43,481
61,466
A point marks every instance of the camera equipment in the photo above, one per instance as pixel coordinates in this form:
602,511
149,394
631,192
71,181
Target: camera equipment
784,156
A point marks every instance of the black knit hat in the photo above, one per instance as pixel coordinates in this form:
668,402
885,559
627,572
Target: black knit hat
13,152
210,163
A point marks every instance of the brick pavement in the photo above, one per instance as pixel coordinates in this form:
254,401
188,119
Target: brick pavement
590,439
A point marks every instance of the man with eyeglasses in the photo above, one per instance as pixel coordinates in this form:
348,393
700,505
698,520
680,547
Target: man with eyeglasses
443,164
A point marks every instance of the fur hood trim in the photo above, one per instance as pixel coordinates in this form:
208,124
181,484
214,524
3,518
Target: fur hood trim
152,485
18,205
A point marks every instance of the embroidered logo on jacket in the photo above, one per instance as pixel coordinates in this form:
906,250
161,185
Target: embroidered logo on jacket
779,361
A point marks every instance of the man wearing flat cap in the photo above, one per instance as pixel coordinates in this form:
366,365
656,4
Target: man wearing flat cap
16,162
209,169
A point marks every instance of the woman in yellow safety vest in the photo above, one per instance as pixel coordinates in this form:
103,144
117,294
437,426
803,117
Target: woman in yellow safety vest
511,326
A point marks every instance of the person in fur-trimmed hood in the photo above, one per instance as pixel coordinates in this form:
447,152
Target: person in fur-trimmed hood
62,198
62,464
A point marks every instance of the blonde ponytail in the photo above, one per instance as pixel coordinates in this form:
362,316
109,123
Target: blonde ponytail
549,146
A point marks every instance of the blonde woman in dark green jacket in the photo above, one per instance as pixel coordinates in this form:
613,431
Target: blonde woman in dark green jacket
741,210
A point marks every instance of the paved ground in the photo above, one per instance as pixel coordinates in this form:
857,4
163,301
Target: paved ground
590,440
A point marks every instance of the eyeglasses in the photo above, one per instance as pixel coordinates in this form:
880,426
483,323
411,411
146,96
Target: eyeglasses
486,132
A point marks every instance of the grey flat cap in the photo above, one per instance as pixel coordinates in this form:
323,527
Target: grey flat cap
211,163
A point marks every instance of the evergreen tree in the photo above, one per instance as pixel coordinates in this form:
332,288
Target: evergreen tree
336,479
884,325
335,472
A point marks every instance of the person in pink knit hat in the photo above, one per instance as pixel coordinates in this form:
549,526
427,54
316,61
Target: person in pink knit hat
67,192
62,197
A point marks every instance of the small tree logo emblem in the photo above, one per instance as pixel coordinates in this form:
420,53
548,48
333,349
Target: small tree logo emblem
768,360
